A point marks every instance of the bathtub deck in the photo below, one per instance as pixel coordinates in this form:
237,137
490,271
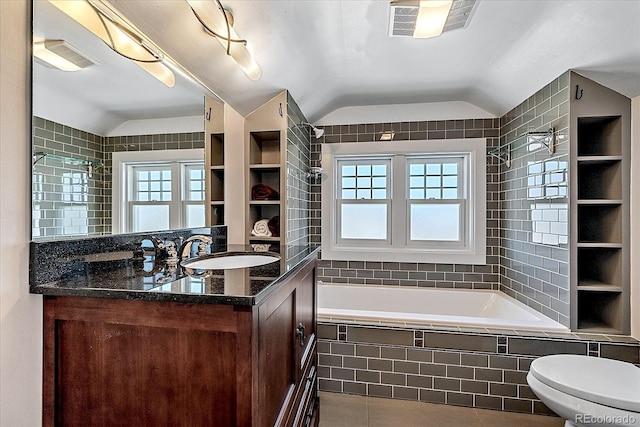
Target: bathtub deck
343,410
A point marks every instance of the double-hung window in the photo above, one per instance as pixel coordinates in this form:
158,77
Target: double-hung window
416,201
364,201
158,190
436,203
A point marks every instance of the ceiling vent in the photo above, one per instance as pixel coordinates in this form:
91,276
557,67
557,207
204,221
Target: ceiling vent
402,19
48,50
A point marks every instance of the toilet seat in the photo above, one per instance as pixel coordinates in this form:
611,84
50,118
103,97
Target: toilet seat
604,381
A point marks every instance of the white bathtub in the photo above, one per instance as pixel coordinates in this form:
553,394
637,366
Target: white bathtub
429,306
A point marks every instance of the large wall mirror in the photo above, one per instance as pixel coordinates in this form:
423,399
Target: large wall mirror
108,117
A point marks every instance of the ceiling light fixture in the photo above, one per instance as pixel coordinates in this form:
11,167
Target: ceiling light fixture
122,39
218,22
432,16
61,55
410,18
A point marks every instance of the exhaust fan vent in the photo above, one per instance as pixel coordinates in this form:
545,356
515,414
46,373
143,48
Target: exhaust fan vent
64,50
404,13
403,21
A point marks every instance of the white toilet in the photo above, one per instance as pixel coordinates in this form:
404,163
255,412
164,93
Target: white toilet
588,391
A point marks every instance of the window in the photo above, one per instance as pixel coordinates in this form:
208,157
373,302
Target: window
414,201
364,201
158,190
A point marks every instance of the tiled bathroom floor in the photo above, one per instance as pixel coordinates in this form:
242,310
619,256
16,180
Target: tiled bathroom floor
344,410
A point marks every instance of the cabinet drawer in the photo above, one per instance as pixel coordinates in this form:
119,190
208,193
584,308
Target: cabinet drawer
306,414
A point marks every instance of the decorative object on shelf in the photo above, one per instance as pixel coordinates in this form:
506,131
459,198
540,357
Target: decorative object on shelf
261,247
218,22
261,228
264,192
105,23
274,226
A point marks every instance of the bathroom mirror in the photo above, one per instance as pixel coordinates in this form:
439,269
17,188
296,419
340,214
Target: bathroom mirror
82,117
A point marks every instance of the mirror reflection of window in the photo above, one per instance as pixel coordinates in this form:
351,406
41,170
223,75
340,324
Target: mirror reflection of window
91,113
164,195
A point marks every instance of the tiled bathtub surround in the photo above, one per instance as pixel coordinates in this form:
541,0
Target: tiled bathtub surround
476,368
67,202
534,261
527,205
415,274
457,276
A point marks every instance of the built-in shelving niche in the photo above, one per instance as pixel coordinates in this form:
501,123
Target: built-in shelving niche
216,179
600,204
265,167
600,136
599,311
600,224
599,179
600,269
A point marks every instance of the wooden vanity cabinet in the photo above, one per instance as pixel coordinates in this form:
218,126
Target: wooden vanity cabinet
152,363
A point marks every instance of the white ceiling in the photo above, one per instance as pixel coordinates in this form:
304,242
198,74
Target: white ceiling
336,59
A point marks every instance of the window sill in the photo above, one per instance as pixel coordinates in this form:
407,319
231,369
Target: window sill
440,256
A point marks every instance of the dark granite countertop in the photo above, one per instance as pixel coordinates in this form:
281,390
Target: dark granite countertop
119,275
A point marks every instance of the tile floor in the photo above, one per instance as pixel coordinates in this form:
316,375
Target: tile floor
344,410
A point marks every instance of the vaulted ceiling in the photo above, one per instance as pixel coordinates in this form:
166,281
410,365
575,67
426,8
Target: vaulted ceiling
334,55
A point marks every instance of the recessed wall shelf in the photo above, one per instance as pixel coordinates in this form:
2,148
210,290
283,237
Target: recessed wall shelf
215,164
599,152
534,141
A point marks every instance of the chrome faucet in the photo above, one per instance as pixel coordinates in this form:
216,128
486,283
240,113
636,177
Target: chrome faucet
185,248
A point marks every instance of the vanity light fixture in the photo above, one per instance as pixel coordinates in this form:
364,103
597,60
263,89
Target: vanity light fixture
432,16
98,18
61,55
218,22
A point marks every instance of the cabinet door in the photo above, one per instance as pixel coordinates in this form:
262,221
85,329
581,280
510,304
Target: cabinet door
305,317
111,361
277,357
287,336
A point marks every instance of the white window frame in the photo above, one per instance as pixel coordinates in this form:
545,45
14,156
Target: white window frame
386,160
121,161
461,160
472,248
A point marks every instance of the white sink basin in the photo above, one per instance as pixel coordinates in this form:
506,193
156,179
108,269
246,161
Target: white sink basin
227,261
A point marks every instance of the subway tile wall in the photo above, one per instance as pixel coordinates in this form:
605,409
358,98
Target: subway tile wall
298,184
534,258
415,274
67,201
475,369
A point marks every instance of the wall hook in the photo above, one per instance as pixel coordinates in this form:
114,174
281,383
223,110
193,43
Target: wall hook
578,92
207,114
